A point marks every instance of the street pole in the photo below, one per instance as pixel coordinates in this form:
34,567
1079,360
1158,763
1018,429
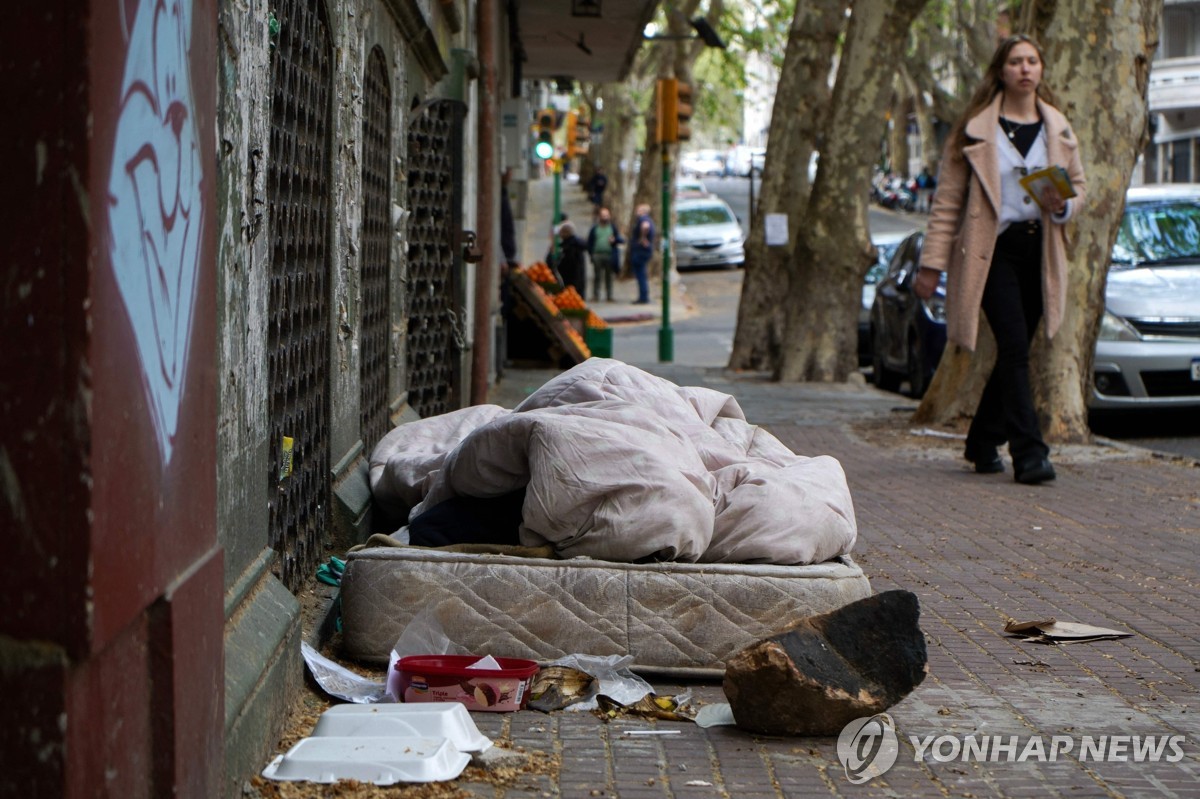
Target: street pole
557,208
666,336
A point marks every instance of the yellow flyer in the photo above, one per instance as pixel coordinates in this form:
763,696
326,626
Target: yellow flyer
1055,176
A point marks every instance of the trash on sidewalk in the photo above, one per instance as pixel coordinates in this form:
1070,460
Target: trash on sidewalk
338,681
650,706
383,745
330,572
1051,631
719,714
557,687
476,683
933,433
827,670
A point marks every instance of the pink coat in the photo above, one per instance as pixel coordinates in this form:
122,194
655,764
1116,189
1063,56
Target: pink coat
964,249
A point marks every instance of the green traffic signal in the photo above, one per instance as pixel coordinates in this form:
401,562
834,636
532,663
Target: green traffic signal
544,148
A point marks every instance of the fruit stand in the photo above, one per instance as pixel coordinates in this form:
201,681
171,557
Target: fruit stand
552,324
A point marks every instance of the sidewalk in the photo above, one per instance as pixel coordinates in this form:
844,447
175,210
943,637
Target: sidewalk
1113,542
574,202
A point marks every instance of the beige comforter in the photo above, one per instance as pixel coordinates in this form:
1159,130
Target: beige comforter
621,465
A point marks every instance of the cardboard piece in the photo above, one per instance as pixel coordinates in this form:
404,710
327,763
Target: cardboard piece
1051,631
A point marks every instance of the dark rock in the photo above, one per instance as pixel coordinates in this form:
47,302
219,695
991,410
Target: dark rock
822,672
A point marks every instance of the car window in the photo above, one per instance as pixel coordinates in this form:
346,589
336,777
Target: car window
1156,233
704,215
902,255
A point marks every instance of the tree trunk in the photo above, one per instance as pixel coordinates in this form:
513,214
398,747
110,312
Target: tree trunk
801,105
1098,55
616,147
923,111
833,250
1098,63
898,130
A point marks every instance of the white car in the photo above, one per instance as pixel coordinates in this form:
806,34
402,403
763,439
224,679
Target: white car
702,163
1148,350
707,233
690,187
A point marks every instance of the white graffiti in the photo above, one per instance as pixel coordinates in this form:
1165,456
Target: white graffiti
155,207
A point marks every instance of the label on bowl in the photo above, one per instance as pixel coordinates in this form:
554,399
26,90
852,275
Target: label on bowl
479,693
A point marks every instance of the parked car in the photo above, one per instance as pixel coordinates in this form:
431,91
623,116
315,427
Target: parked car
1148,349
702,163
885,247
744,158
907,333
690,187
707,233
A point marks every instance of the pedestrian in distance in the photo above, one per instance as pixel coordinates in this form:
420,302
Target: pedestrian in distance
572,259
1004,250
603,245
926,183
641,250
596,187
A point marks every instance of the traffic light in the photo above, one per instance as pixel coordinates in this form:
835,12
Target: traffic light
674,110
683,110
544,147
583,134
578,134
569,124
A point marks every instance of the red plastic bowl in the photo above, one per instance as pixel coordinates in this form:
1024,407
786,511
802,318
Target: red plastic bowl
446,678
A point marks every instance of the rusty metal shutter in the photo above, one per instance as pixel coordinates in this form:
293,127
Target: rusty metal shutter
436,296
375,251
299,197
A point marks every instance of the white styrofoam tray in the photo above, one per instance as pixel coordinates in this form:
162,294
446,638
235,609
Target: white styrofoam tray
449,720
384,744
379,760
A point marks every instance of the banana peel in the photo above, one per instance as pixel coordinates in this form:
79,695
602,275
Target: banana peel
650,706
556,687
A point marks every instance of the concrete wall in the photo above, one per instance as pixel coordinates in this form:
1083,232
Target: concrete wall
263,667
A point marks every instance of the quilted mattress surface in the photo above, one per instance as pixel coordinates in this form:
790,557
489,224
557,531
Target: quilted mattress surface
673,618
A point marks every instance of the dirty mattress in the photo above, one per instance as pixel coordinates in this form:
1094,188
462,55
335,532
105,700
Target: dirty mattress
673,618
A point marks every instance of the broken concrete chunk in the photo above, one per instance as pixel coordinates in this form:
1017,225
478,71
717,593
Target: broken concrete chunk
822,672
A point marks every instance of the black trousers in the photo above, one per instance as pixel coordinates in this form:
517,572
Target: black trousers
1012,302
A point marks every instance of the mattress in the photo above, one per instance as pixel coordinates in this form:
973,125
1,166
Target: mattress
680,619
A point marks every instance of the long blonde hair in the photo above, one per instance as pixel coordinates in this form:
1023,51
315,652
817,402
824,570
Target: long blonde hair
992,84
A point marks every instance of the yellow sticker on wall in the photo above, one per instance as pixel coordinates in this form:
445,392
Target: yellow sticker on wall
285,458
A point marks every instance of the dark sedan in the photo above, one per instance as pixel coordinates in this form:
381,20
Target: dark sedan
908,334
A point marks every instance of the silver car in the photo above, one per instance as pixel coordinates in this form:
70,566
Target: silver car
707,234
1148,350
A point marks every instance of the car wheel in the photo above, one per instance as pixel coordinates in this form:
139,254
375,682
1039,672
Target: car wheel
883,377
917,382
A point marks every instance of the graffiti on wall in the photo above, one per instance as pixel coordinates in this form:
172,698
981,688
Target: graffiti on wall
154,201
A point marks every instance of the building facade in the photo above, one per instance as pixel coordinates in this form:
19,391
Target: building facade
1173,154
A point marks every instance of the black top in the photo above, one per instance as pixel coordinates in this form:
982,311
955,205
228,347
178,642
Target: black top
1021,134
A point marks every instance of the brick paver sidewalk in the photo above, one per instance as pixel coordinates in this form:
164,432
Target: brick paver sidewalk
1113,542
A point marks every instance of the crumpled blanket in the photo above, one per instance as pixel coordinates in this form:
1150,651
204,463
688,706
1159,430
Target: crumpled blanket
621,465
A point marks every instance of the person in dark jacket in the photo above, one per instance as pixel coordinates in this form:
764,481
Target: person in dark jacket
596,187
641,250
603,245
572,258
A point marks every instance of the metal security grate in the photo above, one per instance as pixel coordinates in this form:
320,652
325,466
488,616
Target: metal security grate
376,246
299,308
435,292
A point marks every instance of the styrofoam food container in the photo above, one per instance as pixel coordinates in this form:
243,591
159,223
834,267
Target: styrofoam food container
428,720
379,760
448,678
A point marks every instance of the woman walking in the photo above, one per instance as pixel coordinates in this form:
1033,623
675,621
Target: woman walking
1003,249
